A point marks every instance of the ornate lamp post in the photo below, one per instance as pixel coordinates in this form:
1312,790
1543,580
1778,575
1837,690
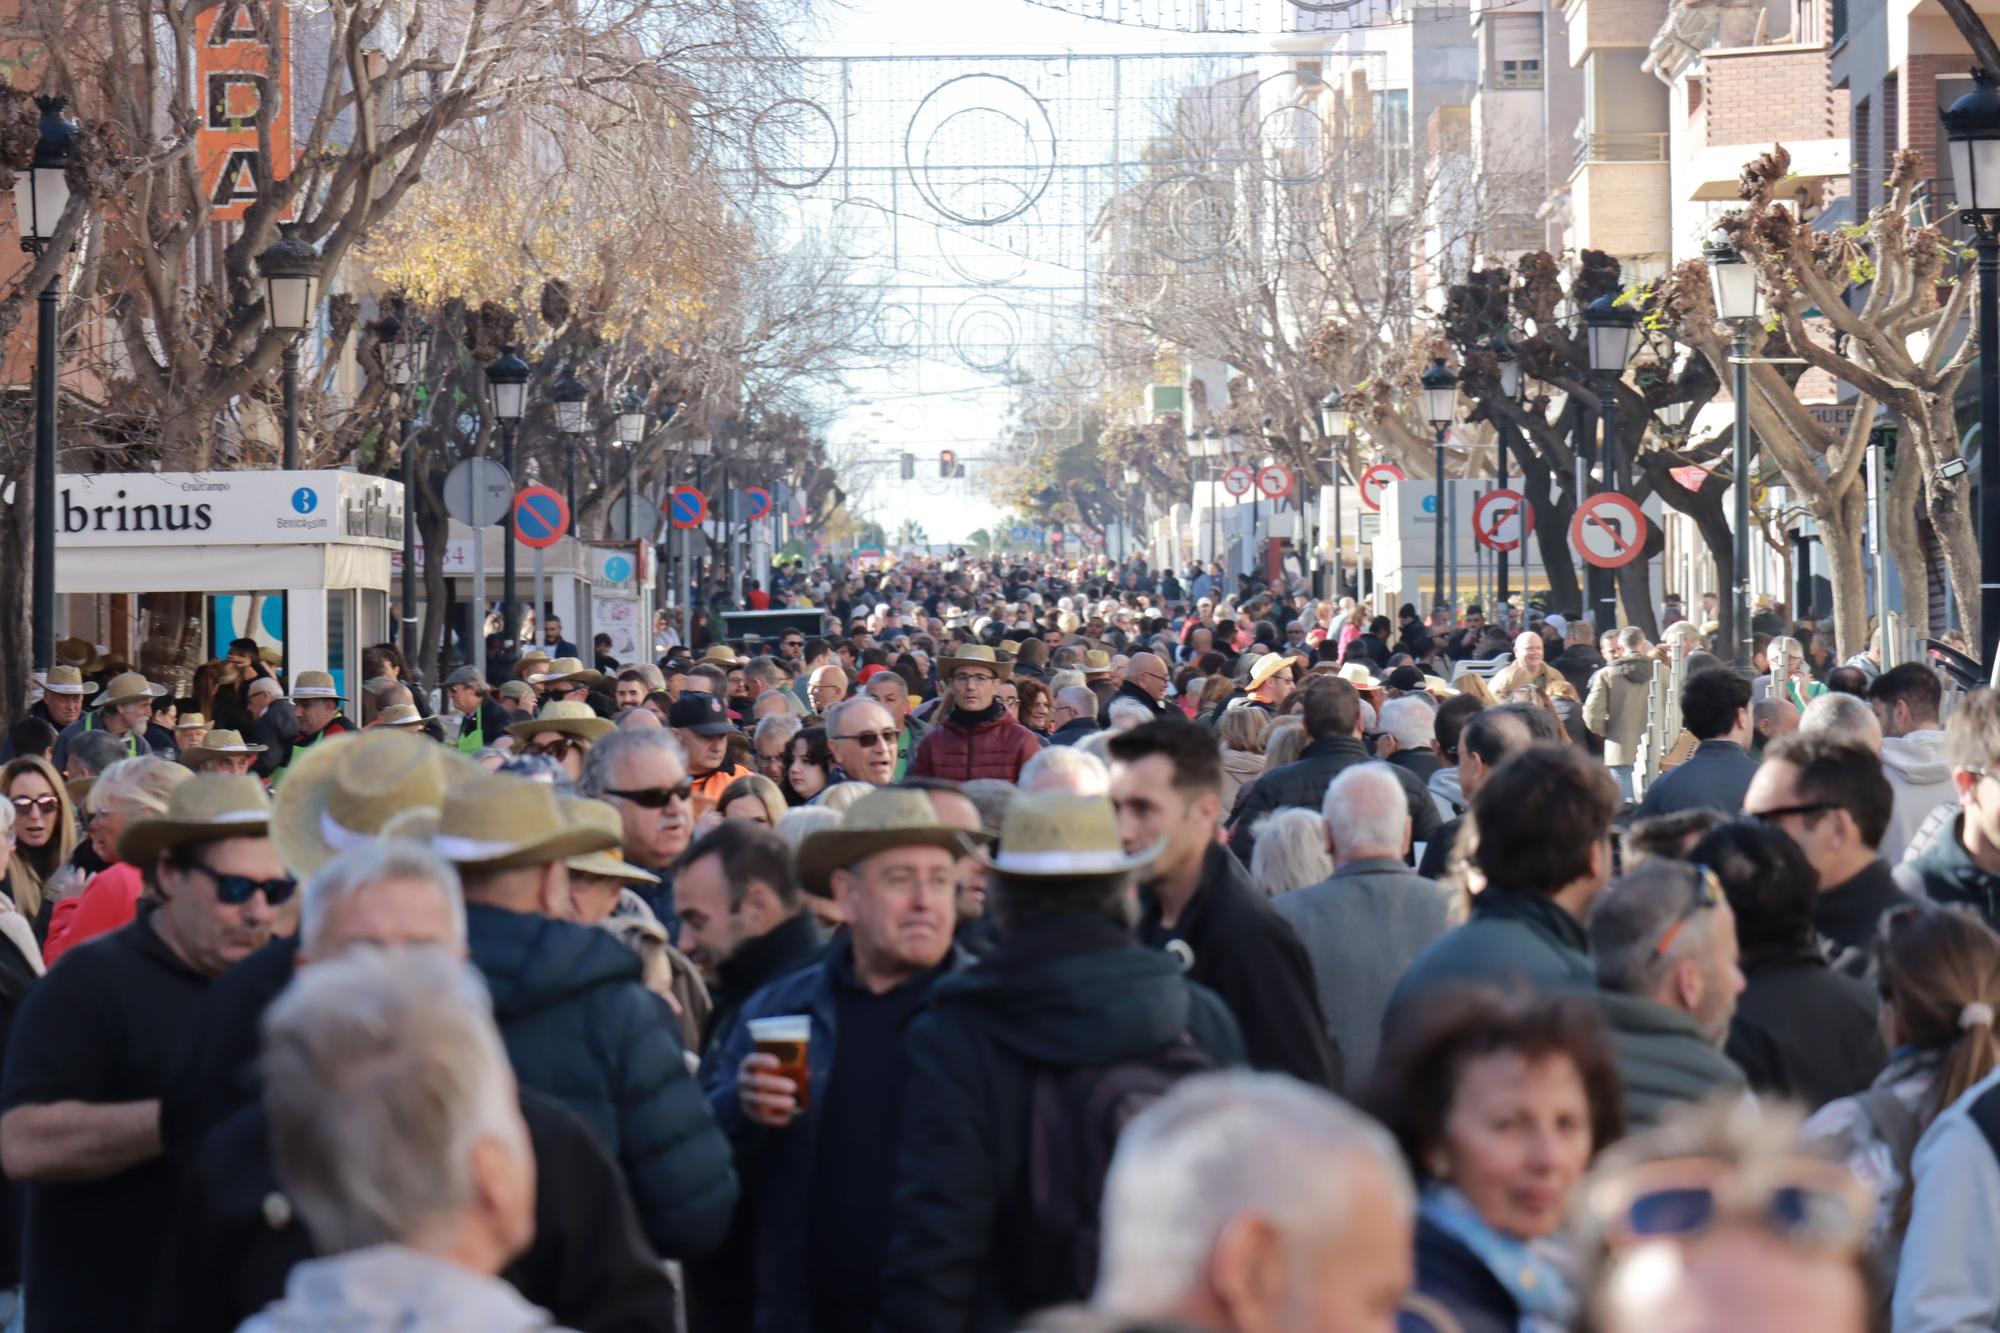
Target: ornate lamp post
1740,305
1611,333
405,353
507,396
290,268
41,195
1440,409
1972,132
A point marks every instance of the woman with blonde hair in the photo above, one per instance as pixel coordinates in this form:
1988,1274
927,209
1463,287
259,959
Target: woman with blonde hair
1284,741
1290,852
752,797
45,834
129,789
1241,732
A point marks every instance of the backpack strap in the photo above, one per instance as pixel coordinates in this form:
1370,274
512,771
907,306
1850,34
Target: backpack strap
1985,1113
1895,1124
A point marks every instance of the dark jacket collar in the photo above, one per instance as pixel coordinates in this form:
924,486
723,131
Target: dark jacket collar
991,716
768,957
1719,745
1327,745
1847,912
1537,912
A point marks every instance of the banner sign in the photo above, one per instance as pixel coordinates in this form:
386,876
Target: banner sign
243,65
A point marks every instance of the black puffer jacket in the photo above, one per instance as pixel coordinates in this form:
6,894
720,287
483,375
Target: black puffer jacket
580,1026
1070,992
1303,783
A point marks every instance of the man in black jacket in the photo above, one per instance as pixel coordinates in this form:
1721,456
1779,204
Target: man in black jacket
743,918
1197,901
1075,716
1068,990
1146,682
1332,714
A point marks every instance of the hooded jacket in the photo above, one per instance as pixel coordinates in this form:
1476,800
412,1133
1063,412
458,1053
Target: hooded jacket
1616,707
963,748
581,1027
1920,777
1663,1059
1069,992
1947,874
392,1289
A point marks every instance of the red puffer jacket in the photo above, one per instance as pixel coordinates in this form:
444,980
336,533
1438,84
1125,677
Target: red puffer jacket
995,748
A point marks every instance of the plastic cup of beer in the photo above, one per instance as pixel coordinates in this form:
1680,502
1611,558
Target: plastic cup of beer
786,1036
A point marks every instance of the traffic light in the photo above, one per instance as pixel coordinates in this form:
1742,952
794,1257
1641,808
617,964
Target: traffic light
947,463
909,467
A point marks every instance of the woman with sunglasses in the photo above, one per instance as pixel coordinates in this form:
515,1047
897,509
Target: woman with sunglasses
130,789
808,766
1938,971
45,833
1498,1101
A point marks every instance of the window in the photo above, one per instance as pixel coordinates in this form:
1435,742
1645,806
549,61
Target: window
1892,118
1525,73
1864,159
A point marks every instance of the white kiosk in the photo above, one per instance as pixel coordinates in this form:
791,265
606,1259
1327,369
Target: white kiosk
165,568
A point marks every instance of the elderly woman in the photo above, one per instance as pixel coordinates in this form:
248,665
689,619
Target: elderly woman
1499,1102
1791,677
129,789
1290,852
45,833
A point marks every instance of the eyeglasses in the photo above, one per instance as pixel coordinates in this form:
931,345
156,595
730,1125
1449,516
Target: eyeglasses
1803,811
974,678
655,798
1807,1202
48,805
1707,894
235,890
559,748
868,740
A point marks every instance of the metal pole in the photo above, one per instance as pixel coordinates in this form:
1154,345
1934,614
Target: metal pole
632,497
1437,514
408,473
476,651
45,480
1339,575
510,628
1607,457
1739,606
1989,442
1878,550
541,591
1500,477
291,379
569,490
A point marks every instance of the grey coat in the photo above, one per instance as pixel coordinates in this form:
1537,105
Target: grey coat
1363,926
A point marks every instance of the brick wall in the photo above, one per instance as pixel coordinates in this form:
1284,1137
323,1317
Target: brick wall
1919,95
1765,96
1600,23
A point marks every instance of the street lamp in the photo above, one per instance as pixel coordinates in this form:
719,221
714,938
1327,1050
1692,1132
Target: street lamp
1611,334
571,399
1507,365
1972,133
1739,303
290,268
1440,409
41,195
405,350
631,433
1334,424
507,395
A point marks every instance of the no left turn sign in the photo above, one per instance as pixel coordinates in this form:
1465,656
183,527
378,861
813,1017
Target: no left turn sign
1502,520
1275,481
1376,480
1608,531
1238,481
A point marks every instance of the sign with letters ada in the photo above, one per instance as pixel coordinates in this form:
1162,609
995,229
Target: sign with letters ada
135,509
243,72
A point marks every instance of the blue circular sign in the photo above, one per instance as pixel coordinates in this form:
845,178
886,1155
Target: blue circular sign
539,516
1430,504
617,569
305,499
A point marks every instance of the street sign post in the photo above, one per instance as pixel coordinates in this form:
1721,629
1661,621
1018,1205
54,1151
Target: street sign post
1238,481
541,517
1609,531
1275,481
1502,520
477,493
1375,480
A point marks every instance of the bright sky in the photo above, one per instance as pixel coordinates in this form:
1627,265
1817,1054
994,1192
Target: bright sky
954,408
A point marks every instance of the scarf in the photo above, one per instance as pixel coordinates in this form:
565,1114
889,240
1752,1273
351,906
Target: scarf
1527,1269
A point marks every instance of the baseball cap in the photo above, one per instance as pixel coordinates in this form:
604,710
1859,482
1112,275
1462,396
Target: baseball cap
465,675
1406,678
703,714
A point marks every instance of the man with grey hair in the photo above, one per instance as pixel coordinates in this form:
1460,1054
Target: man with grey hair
398,1137
769,743
1252,1203
889,689
274,724
643,775
1074,715
1664,941
1364,924
1066,768
1124,714
1845,717
862,737
1407,728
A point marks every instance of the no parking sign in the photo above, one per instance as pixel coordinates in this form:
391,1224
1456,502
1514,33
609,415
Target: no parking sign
541,517
687,507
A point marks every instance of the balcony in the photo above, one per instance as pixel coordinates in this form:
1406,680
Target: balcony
1623,147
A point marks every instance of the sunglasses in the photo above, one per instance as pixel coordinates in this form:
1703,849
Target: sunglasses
868,740
559,748
1804,1201
655,798
235,890
1803,811
48,805
1707,895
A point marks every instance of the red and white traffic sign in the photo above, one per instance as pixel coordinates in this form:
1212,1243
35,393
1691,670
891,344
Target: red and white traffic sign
1275,481
1376,480
1502,520
1238,481
757,502
1608,531
1093,537
541,517
687,507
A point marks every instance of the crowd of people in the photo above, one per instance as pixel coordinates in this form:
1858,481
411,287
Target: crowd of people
1032,948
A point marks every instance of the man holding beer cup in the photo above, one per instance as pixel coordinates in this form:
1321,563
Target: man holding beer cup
810,1088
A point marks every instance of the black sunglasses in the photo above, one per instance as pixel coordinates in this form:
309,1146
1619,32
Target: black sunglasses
655,798
235,890
1804,811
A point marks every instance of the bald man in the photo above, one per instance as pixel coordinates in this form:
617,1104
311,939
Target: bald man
1145,682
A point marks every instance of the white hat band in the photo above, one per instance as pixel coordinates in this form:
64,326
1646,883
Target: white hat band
454,848
1060,861
236,817
315,692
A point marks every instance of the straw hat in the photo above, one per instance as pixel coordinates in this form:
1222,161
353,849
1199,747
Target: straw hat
564,669
722,655
530,662
609,863
130,688
495,821
400,715
973,654
1267,666
216,744
1058,835
316,685
571,717
1097,662
190,722
66,680
354,789
886,817
1359,676
78,653
202,809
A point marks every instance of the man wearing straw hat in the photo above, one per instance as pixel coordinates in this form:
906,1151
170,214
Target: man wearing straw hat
124,710
221,751
88,1054
822,1153
1067,1001
577,1018
975,738
317,700
63,692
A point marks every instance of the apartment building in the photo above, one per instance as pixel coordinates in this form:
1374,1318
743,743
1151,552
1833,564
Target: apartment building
1616,196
